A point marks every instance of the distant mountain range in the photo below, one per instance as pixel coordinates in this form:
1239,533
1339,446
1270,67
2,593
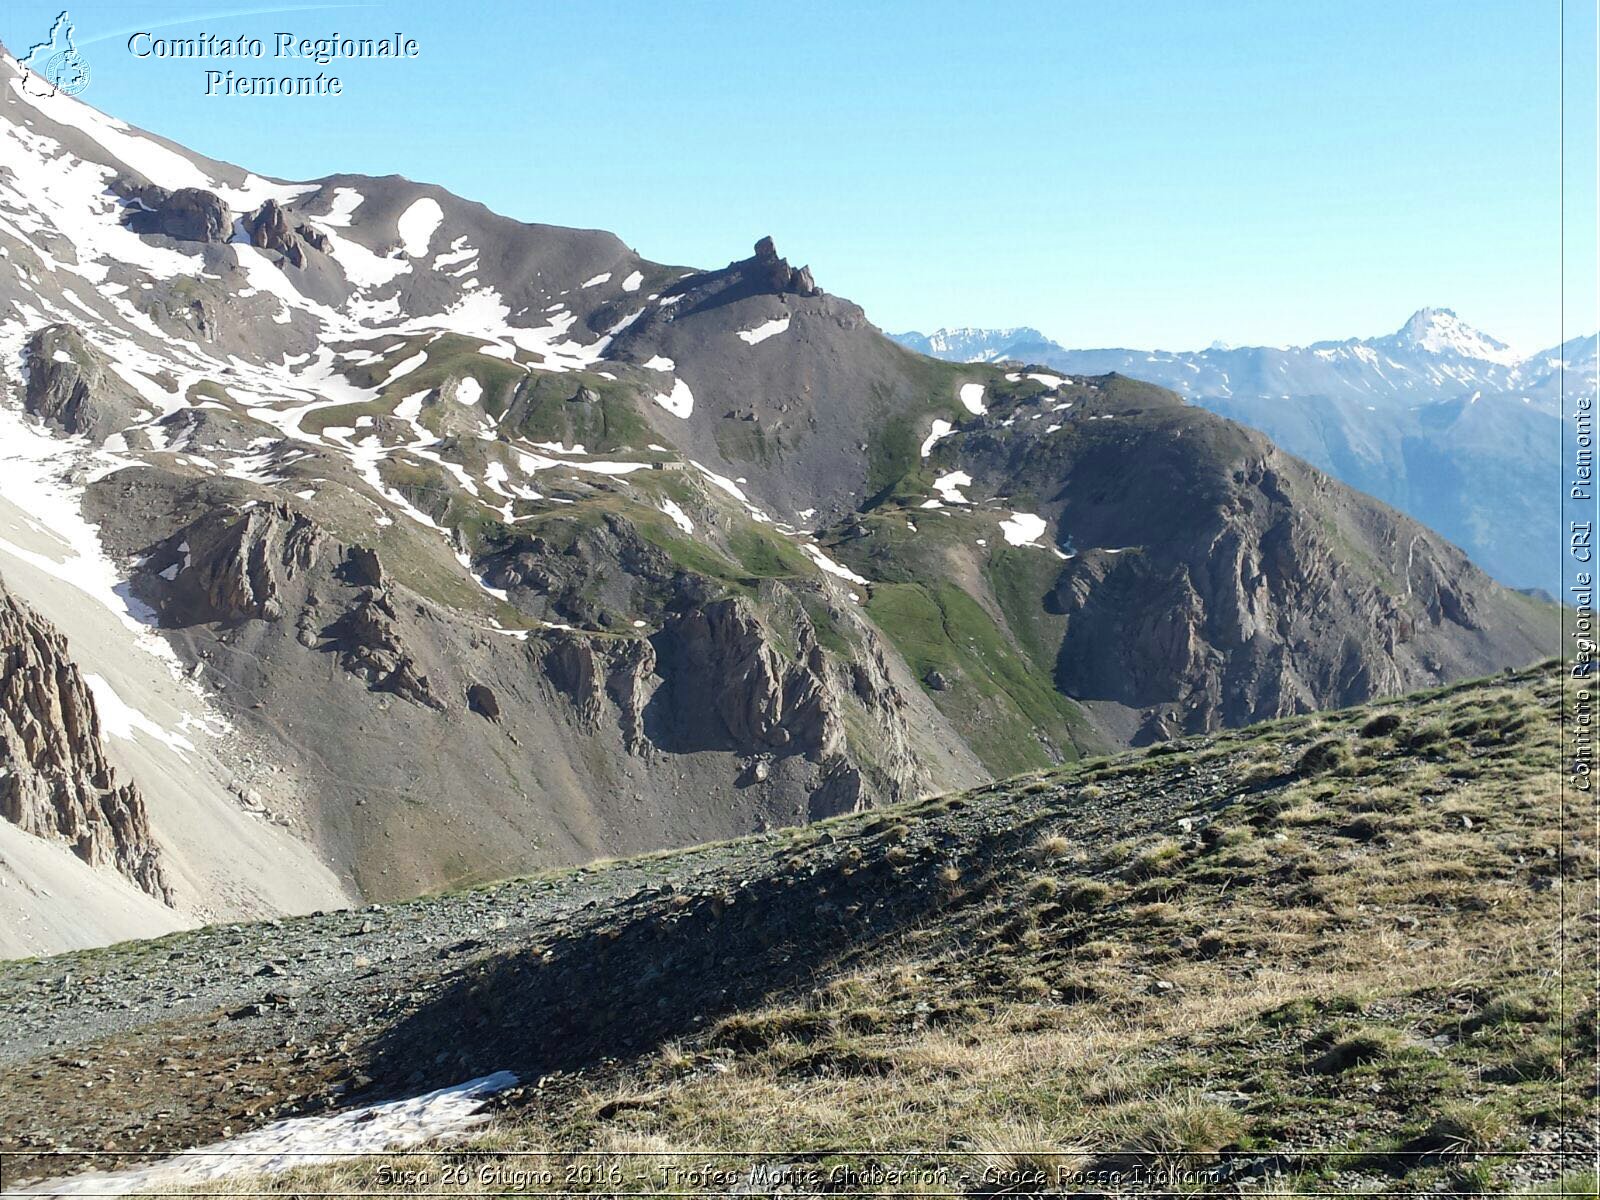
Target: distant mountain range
1439,419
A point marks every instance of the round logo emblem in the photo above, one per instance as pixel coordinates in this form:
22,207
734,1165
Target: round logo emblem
67,72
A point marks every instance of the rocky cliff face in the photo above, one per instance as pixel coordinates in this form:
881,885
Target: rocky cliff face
608,681
1198,577
233,564
69,387
55,781
1262,619
723,661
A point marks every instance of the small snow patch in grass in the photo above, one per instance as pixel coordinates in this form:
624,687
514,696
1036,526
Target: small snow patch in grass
1023,529
632,282
660,363
940,429
409,365
972,398
949,487
469,391
831,567
679,517
410,408
598,279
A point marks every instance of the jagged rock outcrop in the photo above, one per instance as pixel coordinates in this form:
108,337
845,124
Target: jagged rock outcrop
362,567
269,229
590,669
775,273
69,387
722,653
255,564
55,780
368,642
232,564
895,764
186,215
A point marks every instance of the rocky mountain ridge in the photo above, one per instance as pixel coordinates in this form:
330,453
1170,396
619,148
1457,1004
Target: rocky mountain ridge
1439,419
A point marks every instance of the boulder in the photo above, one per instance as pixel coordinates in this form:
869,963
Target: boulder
483,701
186,215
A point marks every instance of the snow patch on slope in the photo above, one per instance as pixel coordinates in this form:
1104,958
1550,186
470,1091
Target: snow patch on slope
120,719
679,402
949,486
302,1141
831,567
1023,529
679,517
764,331
418,224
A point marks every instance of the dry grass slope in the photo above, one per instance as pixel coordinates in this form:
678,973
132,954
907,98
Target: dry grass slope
1313,957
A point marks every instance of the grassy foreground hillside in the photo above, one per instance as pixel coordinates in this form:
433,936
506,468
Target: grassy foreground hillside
1322,955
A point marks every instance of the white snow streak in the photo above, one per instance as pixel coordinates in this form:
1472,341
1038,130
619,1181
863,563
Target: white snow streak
303,1141
940,429
679,517
763,331
831,567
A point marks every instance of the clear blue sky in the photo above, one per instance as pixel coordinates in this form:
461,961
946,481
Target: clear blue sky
1157,173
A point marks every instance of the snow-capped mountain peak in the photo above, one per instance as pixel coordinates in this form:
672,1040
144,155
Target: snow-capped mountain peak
1440,331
